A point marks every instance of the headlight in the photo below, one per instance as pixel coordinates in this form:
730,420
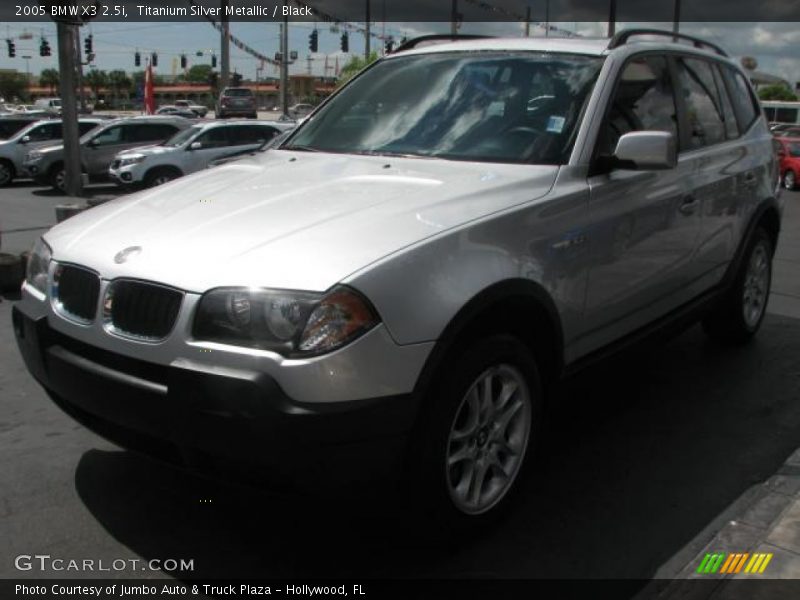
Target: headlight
38,265
125,161
34,156
291,323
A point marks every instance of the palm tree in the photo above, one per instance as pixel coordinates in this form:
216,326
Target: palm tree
51,78
120,83
96,79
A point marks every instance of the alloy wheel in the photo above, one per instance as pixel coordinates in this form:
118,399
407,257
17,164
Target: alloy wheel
488,439
756,286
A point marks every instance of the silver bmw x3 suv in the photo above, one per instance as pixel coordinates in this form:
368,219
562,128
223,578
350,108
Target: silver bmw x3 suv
393,289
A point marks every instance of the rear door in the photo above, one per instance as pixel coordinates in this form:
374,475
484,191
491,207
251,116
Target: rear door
717,161
643,239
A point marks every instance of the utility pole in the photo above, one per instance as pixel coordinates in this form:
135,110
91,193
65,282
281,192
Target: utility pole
67,36
285,66
612,17
367,35
528,22
225,49
676,18
454,17
79,74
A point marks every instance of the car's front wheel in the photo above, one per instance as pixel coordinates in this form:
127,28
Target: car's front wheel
480,421
6,172
739,315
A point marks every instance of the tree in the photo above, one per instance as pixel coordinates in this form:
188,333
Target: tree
13,85
96,79
120,83
776,92
50,78
354,66
198,74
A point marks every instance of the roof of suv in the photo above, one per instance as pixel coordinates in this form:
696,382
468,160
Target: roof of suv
574,45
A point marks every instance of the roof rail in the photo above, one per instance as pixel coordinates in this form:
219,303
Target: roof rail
622,37
437,38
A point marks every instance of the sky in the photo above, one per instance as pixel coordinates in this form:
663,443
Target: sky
776,46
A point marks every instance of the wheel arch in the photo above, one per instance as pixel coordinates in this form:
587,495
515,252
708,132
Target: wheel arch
517,306
161,168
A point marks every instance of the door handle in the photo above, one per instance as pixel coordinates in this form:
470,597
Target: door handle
688,205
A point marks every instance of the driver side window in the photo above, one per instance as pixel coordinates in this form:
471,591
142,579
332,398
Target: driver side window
109,137
644,100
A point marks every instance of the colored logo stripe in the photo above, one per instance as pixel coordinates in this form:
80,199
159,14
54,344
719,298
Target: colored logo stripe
727,564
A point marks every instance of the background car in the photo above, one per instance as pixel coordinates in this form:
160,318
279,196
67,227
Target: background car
199,109
791,131
788,150
236,102
35,135
12,123
300,110
50,104
240,154
99,147
177,111
190,150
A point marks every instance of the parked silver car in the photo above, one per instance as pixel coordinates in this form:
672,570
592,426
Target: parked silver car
14,149
391,292
190,150
99,147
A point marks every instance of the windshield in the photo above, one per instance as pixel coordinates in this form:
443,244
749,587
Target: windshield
498,107
182,137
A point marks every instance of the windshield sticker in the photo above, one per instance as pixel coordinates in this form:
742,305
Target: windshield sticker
556,124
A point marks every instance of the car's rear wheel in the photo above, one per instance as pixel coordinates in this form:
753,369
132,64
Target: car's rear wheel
6,172
739,315
789,180
472,446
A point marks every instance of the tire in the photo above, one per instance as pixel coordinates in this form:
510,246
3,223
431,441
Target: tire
6,173
461,436
58,178
161,176
789,180
738,316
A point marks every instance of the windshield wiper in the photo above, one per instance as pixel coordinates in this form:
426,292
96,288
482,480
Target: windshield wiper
395,154
300,148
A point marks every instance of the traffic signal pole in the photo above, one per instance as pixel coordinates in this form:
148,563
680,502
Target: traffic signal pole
225,49
285,66
79,74
67,58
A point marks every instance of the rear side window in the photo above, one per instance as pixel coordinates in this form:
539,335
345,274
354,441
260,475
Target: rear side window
743,102
703,108
643,101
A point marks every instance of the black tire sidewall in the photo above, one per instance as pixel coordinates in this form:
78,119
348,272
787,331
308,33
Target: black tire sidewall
427,471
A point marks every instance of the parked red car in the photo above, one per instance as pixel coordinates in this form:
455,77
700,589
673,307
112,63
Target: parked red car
789,154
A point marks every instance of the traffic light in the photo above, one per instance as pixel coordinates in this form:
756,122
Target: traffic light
87,45
313,41
213,61
44,48
137,60
345,43
12,48
183,61
154,59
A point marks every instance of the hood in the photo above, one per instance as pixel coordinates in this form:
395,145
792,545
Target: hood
149,150
292,220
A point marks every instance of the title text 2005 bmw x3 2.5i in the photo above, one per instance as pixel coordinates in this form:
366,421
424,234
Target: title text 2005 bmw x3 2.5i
394,288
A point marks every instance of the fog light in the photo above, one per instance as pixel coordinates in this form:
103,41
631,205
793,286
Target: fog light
126,177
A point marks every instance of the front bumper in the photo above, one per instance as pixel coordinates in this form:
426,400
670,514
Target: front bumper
127,175
217,418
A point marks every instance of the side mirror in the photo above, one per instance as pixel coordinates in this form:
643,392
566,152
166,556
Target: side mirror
195,145
25,139
92,144
646,150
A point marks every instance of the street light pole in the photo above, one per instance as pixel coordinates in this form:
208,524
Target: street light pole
67,34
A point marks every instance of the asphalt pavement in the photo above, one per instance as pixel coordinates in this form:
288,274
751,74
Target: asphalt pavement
642,461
